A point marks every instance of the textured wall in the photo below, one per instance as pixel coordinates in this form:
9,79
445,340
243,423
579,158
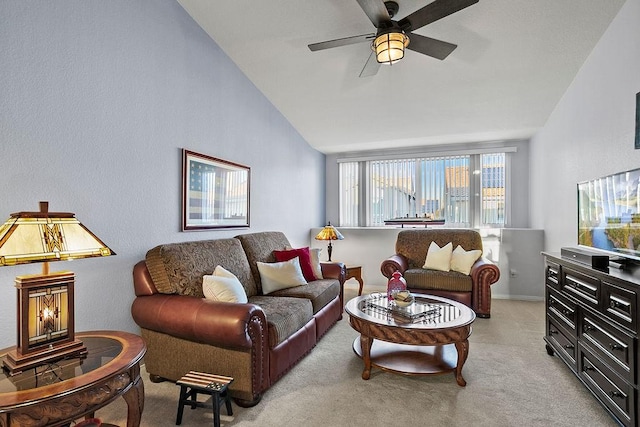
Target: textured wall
591,131
96,100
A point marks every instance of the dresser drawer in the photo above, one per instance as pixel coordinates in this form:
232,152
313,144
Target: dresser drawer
581,286
613,346
553,275
620,305
615,393
562,342
562,309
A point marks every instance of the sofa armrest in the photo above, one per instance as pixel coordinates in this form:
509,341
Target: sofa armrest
483,274
334,270
393,263
230,325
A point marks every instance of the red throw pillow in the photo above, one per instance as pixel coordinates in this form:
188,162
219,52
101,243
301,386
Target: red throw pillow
304,258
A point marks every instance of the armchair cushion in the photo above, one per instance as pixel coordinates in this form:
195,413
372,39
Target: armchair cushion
418,278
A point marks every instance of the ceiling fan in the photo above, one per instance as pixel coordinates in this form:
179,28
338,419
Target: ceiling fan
388,43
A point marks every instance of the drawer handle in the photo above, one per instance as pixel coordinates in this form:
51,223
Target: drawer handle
552,331
566,312
589,368
588,328
569,346
616,346
617,394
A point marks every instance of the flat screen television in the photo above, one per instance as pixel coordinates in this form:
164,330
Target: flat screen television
609,215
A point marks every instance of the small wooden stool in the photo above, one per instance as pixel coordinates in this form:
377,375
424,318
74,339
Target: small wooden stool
199,382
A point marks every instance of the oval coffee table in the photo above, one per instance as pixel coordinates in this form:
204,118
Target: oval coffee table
429,337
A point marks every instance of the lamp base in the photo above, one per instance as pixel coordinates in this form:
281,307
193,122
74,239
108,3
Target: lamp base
15,363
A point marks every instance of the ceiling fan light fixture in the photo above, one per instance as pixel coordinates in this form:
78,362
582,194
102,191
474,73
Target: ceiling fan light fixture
389,46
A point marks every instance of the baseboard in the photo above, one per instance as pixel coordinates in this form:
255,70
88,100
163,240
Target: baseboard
518,297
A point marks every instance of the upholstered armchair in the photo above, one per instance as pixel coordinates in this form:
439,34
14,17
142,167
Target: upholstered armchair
473,289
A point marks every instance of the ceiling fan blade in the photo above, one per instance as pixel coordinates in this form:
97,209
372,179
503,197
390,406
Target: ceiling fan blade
432,12
431,47
376,11
371,67
342,42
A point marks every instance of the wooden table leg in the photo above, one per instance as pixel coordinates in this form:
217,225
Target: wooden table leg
365,345
463,352
135,403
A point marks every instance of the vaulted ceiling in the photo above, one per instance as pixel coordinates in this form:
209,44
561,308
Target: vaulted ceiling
513,63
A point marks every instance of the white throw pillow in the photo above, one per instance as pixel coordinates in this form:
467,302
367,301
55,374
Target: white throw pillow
462,260
438,258
314,254
280,275
223,286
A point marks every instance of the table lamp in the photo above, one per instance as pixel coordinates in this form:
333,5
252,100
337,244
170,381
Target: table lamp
329,232
45,301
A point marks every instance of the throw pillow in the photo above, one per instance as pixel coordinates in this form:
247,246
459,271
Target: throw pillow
462,260
303,256
438,258
280,275
314,254
223,286
315,262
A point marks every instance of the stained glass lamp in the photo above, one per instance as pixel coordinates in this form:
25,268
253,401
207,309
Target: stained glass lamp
45,301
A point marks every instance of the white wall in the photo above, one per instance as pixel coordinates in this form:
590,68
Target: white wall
516,252
97,98
591,131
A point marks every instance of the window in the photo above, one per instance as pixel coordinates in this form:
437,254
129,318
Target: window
426,187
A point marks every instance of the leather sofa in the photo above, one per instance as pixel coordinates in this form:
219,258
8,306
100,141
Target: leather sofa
257,342
473,290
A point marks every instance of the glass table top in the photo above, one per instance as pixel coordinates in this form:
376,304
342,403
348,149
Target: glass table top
101,350
426,312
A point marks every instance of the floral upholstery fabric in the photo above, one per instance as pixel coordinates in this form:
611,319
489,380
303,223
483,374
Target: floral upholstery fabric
177,268
413,244
259,247
285,316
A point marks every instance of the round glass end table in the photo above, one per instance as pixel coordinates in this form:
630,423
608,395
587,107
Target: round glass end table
57,393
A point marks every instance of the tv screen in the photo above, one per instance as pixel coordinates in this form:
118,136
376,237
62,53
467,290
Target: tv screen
609,214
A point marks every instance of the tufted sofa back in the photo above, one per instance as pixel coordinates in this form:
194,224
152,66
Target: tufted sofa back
414,243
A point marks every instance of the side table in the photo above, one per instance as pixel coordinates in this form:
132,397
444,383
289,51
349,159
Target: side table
60,392
355,272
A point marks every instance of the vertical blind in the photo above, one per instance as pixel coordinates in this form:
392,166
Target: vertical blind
426,187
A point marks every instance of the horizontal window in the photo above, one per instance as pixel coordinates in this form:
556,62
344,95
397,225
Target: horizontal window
462,190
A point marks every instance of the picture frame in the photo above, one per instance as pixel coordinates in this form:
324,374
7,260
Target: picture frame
637,121
215,193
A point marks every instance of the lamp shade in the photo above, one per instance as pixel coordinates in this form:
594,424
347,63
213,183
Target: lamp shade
329,232
389,46
47,236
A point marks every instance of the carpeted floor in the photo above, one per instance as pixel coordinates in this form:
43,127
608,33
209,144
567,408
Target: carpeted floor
511,381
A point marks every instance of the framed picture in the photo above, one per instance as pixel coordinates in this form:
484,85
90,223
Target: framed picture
637,120
215,193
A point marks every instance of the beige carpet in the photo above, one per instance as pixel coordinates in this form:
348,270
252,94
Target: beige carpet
511,381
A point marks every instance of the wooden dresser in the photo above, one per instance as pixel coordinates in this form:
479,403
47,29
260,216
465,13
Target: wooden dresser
592,325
